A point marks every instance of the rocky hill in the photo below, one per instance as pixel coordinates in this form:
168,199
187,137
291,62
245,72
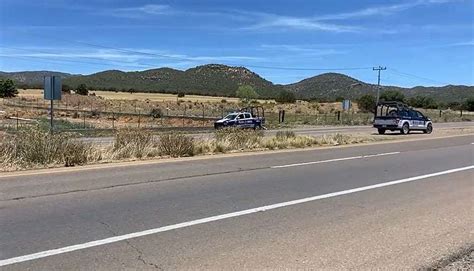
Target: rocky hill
222,80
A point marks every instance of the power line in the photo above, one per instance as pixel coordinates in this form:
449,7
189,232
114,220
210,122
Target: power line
397,72
48,60
182,58
86,57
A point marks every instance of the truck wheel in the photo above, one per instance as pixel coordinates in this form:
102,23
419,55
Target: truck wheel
429,129
381,131
405,129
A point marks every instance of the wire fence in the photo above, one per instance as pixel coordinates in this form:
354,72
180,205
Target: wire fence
101,115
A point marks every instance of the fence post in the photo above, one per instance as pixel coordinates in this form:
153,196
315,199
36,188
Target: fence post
203,122
113,120
138,119
461,112
17,120
184,114
84,119
338,115
440,113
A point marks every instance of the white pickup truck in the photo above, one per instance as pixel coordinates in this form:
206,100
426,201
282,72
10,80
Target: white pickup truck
396,116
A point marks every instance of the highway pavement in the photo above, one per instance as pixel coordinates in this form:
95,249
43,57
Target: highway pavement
383,206
308,130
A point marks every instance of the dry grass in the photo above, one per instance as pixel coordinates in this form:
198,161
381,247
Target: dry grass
33,148
133,143
176,145
154,97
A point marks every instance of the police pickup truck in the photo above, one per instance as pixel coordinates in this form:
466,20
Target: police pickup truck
396,116
244,118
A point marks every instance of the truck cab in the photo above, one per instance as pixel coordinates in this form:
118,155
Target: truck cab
244,118
396,116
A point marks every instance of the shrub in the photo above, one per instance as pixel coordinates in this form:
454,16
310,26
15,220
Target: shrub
286,97
156,113
7,88
339,99
392,95
469,104
366,103
133,143
246,93
176,145
181,94
82,90
423,102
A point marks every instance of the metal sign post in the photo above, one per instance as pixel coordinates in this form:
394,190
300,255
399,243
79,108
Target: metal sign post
52,91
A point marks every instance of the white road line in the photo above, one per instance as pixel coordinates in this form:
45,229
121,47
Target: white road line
119,238
380,154
335,160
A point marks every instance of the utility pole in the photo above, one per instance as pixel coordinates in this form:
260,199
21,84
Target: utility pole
379,68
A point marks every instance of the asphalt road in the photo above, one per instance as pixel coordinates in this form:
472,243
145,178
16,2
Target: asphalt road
310,131
361,207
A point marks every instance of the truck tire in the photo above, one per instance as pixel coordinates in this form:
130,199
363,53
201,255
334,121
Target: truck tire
381,131
405,129
429,129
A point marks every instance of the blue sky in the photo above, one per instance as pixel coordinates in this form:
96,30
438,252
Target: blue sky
422,42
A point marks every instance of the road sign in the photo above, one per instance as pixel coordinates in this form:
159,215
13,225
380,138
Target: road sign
52,88
346,105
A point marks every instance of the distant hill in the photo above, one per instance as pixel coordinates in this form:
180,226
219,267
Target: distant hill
333,85
212,79
31,78
330,85
222,80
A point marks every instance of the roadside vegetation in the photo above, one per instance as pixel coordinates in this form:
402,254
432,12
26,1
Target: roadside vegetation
35,147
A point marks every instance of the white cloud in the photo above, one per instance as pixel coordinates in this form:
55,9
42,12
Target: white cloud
461,44
301,49
382,10
130,56
301,23
141,11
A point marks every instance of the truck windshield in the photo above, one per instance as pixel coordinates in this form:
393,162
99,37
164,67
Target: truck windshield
231,116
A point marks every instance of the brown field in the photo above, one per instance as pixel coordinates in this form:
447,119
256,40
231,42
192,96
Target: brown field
154,97
111,109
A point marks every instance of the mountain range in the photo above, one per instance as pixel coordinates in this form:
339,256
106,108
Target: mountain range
222,80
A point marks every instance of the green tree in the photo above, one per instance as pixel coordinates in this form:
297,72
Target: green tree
66,88
469,104
7,88
339,99
423,102
246,93
286,97
82,90
454,105
392,95
366,103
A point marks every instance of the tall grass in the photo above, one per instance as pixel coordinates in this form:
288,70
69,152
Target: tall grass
176,145
32,147
237,139
133,143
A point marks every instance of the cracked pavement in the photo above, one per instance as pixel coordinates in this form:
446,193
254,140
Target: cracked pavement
408,226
